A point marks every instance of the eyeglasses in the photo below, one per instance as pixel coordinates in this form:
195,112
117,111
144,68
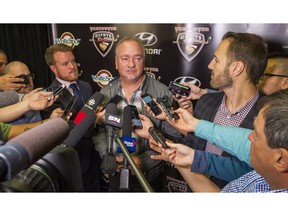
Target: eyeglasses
271,75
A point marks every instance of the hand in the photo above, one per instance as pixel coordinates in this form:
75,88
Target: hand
146,124
100,116
163,153
187,122
39,100
57,113
184,102
161,116
196,92
9,82
180,155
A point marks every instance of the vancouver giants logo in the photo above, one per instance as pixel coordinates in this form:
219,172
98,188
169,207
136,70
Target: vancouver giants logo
103,41
191,43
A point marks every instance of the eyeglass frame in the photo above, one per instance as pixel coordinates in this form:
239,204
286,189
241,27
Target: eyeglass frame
271,75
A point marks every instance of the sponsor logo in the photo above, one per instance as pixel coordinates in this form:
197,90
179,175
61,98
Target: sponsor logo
188,79
102,78
148,39
68,39
103,40
190,43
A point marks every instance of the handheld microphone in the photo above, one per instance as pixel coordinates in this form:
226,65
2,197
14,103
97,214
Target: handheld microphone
8,98
112,120
80,130
22,151
167,107
90,106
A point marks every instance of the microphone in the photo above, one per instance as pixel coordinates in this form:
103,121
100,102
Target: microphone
167,107
8,98
80,130
126,137
112,121
90,106
22,151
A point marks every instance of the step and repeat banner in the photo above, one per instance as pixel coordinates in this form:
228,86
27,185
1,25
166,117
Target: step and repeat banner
179,52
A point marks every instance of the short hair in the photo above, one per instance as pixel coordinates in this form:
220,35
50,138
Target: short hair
2,52
50,51
281,62
251,49
276,118
130,38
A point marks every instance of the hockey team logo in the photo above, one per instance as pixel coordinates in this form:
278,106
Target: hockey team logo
102,78
103,41
68,39
191,43
147,38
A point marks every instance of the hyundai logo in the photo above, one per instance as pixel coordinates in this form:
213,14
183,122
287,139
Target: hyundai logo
147,38
187,79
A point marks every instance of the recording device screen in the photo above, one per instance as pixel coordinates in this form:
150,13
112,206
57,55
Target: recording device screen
69,107
177,88
25,79
148,100
136,122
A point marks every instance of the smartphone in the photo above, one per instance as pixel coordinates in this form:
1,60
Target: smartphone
148,100
171,113
177,88
158,136
25,79
69,107
116,99
136,122
55,90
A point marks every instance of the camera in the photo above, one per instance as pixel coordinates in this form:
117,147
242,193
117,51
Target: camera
25,79
57,171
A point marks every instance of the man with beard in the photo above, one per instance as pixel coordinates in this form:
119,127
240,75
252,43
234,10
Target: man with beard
237,65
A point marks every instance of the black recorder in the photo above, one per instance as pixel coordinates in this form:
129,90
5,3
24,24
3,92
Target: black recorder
25,79
168,109
158,137
136,122
177,88
148,100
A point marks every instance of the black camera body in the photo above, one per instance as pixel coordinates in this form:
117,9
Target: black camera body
25,79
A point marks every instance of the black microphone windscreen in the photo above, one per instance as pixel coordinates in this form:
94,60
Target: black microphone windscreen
40,140
127,121
8,98
112,109
90,106
79,130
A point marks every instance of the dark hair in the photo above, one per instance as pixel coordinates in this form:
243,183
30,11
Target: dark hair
276,118
50,51
251,50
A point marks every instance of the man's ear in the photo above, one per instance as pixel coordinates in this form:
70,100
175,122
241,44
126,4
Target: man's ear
281,160
237,68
